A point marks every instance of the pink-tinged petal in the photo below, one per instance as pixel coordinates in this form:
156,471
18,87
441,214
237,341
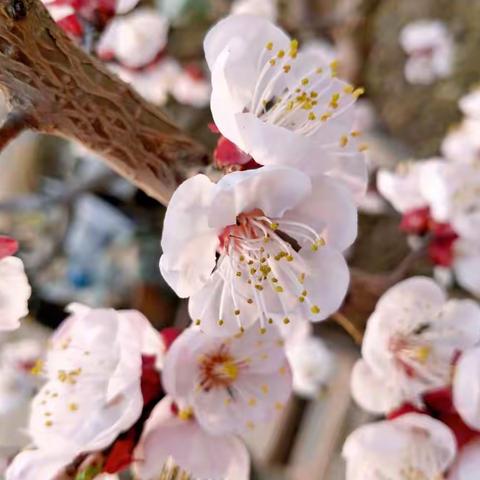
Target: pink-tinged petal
136,39
402,188
413,293
467,464
249,29
413,442
371,392
38,464
14,293
188,242
326,282
330,210
204,456
124,6
466,388
8,246
466,266
274,190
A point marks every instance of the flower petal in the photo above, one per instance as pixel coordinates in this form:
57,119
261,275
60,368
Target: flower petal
188,242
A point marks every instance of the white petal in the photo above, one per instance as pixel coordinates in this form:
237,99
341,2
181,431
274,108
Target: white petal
204,456
135,39
330,209
36,464
467,464
188,242
14,293
326,282
274,190
374,394
466,388
251,30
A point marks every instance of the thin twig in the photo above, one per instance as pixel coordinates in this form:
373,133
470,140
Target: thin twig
348,326
14,125
404,267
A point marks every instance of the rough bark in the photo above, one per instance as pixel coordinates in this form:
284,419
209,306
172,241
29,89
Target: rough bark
56,88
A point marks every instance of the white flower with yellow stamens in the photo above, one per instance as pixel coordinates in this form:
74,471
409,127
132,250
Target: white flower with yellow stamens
231,383
411,447
411,342
280,105
173,433
261,245
93,392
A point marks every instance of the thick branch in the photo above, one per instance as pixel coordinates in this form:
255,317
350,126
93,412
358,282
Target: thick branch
65,92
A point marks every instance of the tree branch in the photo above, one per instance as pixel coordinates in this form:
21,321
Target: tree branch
64,91
14,125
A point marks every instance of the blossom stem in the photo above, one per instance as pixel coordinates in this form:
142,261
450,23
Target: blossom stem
348,326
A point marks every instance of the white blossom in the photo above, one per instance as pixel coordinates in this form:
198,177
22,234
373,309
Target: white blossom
279,237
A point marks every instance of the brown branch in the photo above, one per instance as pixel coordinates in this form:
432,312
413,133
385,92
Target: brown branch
348,326
14,125
65,92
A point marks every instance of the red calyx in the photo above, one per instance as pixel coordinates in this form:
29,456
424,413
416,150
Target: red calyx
169,335
71,25
8,246
440,406
416,222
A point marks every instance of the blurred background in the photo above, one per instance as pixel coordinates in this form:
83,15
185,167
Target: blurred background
88,236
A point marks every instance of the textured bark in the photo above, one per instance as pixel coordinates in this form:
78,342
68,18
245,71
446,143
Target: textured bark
58,89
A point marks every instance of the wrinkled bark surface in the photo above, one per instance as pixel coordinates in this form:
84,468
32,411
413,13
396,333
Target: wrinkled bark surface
54,87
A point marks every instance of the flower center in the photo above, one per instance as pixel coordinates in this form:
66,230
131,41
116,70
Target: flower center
219,369
302,103
260,256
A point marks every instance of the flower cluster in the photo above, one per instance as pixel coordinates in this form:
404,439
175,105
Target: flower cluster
429,47
132,41
420,366
259,254
439,200
14,287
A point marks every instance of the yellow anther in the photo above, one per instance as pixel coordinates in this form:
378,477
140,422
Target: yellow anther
334,100
301,299
253,271
265,389
287,68
282,370
230,370
423,353
304,293
48,423
286,320
358,92
220,323
239,274
279,289
293,48
315,309
325,116
305,81
312,116
73,407
348,89
274,279
281,53
314,94
355,133
301,278
343,141
241,258
185,414
270,321
319,70
252,402
334,68
363,147
273,62
263,331
227,401
278,406
259,287
269,46
250,301
280,343
37,367
198,322
250,425
289,258
237,312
